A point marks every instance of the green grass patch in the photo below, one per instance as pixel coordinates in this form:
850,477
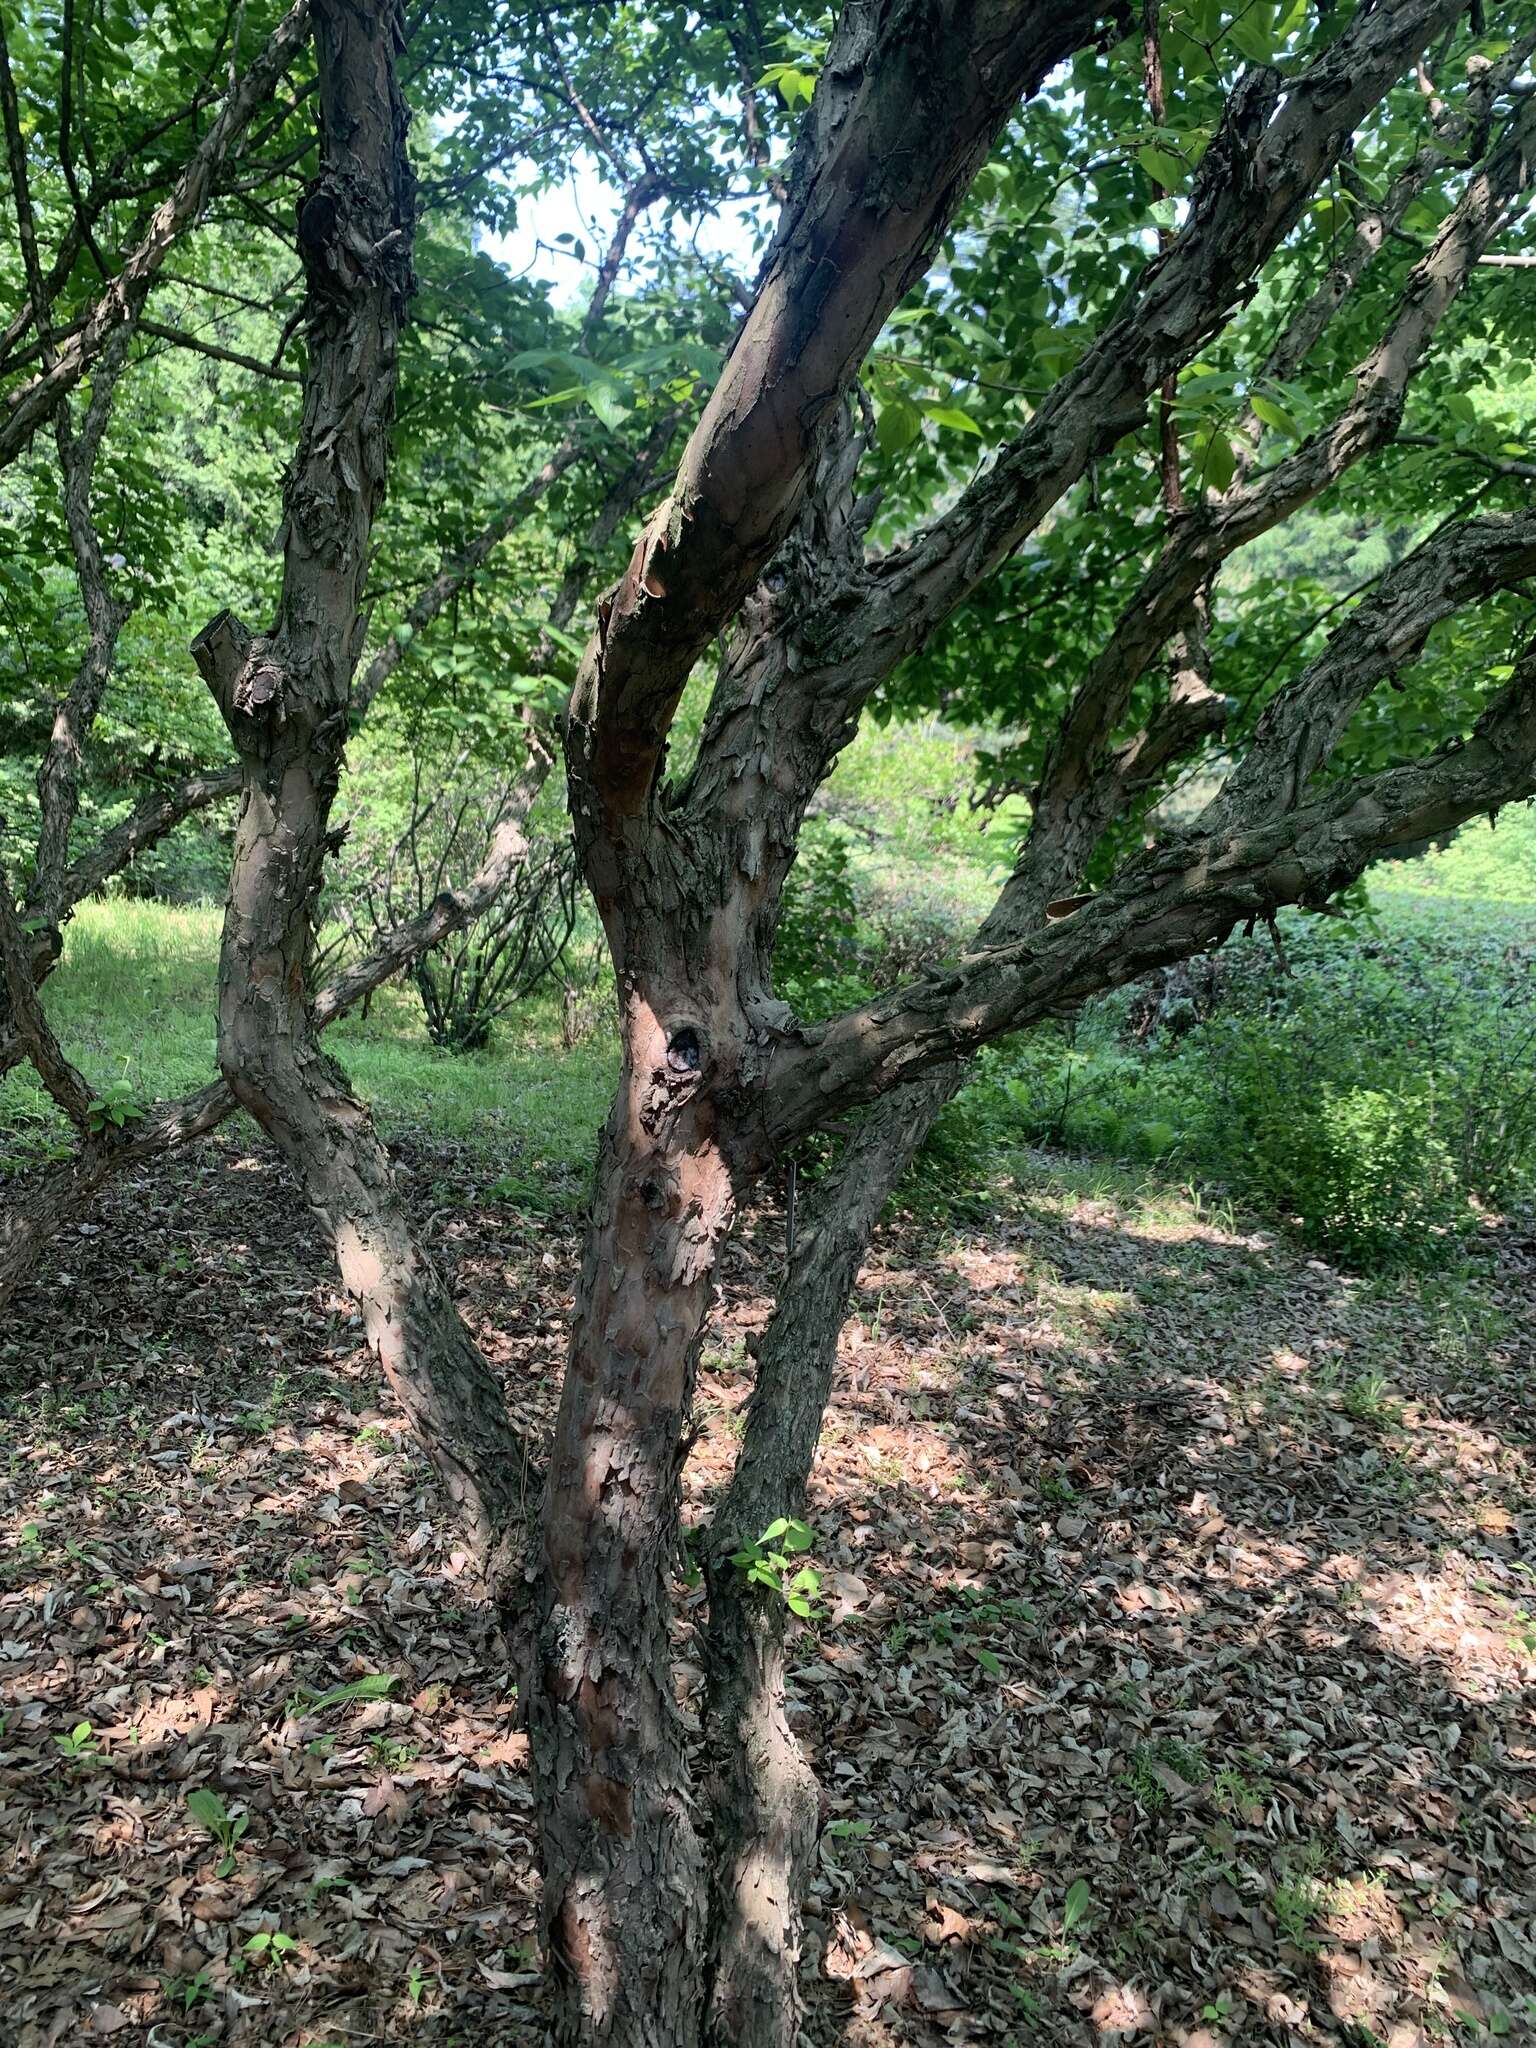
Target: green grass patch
133,1003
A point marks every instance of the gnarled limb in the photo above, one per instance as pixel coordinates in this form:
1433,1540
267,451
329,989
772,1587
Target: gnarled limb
64,1082
1262,843
920,90
763,1790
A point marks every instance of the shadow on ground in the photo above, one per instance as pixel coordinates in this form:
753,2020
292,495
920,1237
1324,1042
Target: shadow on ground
1175,1682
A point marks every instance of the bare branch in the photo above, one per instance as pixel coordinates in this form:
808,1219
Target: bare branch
451,909
179,338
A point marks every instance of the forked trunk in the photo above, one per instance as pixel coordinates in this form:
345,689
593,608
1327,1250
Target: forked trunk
764,1796
625,1892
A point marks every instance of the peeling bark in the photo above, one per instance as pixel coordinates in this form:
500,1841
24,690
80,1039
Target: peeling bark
764,1798
624,1887
909,101
284,697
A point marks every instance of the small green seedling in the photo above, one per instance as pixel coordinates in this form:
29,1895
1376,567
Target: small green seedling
79,1746
187,1992
112,1108
1076,1905
226,1828
769,1563
265,1949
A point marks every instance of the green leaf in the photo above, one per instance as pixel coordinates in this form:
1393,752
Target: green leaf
791,82
897,426
951,416
1253,33
376,1686
207,1808
989,1662
1215,461
1075,1907
1161,168
607,404
1274,415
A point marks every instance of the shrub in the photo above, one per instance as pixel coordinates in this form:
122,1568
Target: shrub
816,953
1378,1084
1361,1170
398,858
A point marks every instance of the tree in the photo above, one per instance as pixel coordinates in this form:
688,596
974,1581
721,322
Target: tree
471,315
1209,305
719,1083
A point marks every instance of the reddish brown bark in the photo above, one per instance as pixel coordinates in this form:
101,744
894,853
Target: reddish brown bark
285,698
688,882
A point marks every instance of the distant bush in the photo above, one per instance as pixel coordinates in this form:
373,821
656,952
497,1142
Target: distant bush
1380,1092
1481,865
1371,1079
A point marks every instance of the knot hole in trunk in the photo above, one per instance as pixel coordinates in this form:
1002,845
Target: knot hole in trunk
684,1051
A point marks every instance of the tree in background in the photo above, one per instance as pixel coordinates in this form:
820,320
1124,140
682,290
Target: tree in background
518,520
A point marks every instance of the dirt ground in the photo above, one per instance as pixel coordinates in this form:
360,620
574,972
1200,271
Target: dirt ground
1174,1684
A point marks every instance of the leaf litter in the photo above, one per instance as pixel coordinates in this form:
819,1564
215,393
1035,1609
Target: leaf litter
1171,1679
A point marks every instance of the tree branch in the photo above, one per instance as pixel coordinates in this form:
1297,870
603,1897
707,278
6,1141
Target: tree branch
64,1082
1258,846
1276,141
123,297
179,338
451,909
1209,534
832,275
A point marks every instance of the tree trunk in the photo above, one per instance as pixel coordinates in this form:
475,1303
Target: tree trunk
764,1796
624,1880
284,698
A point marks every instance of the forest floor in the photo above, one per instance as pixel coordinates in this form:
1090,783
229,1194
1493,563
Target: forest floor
1175,1682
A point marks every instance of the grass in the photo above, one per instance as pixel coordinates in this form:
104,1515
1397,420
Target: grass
132,1002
